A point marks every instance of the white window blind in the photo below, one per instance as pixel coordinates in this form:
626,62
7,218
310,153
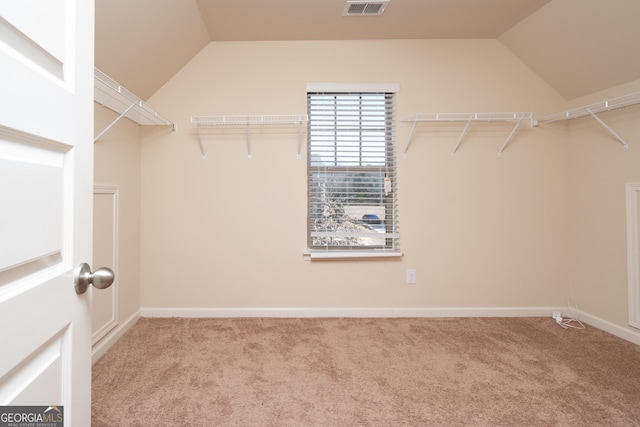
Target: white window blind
352,189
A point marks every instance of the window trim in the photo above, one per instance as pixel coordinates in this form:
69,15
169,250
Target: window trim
353,87
311,254
354,254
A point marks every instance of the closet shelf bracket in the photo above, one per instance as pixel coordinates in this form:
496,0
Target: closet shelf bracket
464,132
248,121
469,118
611,131
204,154
111,94
124,113
249,140
510,136
593,109
406,146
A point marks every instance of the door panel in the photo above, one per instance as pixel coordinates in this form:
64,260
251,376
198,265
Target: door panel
36,26
26,383
46,173
33,211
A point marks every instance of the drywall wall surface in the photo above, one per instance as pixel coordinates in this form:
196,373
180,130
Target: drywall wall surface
481,230
117,162
600,169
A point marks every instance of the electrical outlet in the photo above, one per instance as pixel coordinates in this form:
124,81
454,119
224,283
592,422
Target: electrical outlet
411,276
555,314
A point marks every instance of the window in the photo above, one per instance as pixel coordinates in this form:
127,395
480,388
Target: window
352,172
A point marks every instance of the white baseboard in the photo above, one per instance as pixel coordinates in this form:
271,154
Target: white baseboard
101,347
350,312
625,333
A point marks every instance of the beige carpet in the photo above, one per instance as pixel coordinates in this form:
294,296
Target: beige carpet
366,372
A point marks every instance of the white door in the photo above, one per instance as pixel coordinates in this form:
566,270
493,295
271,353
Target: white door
46,173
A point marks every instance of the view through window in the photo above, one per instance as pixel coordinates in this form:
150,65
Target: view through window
351,171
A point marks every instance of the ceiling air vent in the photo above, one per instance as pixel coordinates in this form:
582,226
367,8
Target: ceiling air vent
364,8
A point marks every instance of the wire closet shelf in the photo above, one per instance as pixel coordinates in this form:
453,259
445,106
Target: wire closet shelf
111,94
251,120
469,118
598,107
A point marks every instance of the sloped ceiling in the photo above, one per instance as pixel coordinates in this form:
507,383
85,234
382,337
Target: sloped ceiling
577,46
142,43
323,20
580,46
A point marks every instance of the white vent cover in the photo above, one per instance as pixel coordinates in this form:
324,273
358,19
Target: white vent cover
364,8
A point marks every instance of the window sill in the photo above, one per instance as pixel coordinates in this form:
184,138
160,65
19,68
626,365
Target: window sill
344,255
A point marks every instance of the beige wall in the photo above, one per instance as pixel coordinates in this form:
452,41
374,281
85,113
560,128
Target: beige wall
117,162
599,170
481,230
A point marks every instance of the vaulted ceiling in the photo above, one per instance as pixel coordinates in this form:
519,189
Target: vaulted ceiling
577,46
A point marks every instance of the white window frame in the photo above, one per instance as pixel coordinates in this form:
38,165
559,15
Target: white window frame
328,252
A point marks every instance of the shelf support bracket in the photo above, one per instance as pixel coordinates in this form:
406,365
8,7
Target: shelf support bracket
513,131
464,132
622,141
249,140
299,156
204,155
406,147
115,121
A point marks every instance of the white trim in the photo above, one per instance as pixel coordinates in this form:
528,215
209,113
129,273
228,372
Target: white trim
354,87
633,270
349,312
113,322
311,255
107,342
617,330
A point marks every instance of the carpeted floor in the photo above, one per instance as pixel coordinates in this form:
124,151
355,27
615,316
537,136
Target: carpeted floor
366,372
